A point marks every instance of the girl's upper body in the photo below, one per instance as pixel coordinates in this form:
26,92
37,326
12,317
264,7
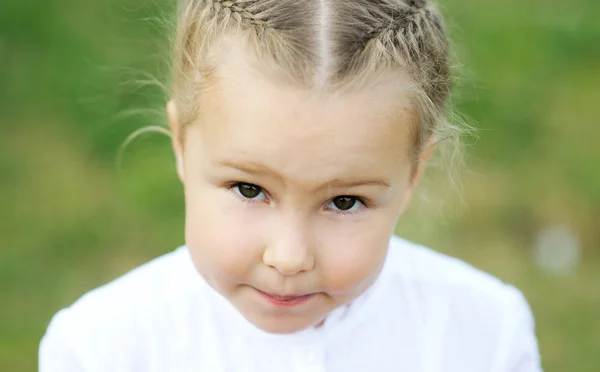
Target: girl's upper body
426,312
300,129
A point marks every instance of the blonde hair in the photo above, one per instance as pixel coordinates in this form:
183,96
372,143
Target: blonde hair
324,44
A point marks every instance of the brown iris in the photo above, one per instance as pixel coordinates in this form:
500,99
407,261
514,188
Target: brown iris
344,203
249,191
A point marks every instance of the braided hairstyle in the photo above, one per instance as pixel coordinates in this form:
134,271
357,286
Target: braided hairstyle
322,44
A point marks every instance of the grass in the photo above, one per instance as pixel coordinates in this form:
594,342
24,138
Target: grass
69,221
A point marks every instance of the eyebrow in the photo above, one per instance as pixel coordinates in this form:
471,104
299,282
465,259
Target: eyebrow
261,169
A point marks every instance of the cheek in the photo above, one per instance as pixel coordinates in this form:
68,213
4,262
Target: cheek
219,236
352,256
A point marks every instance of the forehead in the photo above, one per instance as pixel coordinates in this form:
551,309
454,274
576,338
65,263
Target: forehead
312,135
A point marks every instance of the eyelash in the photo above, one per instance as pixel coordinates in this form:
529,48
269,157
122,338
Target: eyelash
240,198
362,201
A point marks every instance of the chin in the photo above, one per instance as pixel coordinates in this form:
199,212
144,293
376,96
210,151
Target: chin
282,325
281,328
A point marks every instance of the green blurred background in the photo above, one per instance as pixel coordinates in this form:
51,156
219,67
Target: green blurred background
75,81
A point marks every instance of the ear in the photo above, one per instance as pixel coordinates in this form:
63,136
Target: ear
176,137
425,156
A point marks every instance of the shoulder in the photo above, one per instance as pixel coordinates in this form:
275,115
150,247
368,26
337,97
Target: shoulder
160,283
126,315
434,271
430,274
474,315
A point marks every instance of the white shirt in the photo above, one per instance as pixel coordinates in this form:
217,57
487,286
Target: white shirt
425,313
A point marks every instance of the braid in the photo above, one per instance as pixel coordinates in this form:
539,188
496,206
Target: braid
240,11
416,3
324,44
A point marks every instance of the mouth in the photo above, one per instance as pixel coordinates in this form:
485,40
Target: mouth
281,300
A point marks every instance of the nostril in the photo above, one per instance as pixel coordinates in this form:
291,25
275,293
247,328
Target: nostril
288,265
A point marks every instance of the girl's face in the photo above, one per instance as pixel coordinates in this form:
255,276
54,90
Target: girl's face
292,196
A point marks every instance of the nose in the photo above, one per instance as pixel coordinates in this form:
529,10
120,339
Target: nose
290,251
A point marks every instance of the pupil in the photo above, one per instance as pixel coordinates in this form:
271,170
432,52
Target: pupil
344,202
249,191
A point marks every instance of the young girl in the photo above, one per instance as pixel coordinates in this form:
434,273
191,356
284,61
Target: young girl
300,130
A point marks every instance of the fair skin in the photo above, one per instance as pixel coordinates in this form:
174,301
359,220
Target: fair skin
291,196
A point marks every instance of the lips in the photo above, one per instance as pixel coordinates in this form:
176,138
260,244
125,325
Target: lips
282,297
281,300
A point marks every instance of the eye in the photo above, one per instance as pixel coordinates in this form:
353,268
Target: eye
345,203
248,191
